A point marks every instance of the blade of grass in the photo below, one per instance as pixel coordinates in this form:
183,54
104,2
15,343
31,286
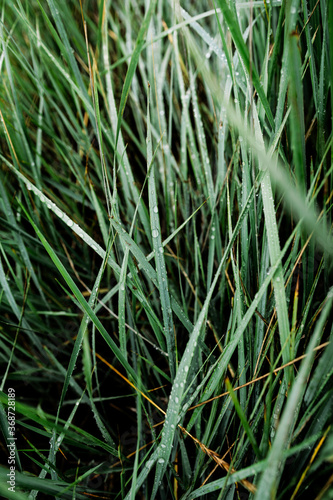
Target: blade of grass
162,278
244,54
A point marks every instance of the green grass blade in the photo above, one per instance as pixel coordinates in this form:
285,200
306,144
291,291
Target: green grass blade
244,54
297,113
162,278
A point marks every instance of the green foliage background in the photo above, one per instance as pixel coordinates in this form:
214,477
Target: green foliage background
166,248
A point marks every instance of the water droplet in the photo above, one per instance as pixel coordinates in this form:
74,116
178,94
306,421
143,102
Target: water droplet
155,233
161,460
155,209
186,368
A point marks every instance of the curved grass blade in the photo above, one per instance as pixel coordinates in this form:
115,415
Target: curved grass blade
81,300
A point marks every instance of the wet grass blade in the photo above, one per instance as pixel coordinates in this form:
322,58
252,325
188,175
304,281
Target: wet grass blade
162,279
243,52
297,113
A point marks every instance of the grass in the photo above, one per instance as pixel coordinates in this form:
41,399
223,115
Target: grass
166,249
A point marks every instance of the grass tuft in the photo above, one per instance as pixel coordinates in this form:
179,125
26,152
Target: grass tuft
166,249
